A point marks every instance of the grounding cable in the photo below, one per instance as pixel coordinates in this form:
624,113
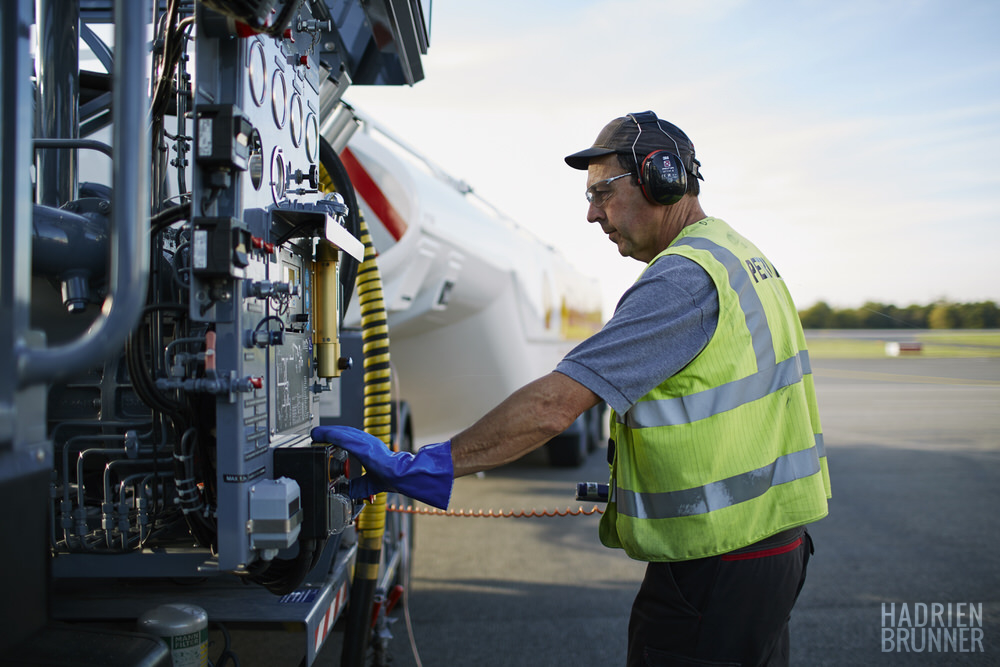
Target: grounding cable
494,514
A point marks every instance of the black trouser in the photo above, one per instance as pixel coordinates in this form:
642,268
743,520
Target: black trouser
725,610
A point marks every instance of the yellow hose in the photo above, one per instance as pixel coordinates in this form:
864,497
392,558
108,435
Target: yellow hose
377,421
377,388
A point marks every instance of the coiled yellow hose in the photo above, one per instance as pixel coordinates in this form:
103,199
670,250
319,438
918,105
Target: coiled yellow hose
377,388
377,421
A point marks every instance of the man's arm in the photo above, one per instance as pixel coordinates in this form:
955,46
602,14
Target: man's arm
526,420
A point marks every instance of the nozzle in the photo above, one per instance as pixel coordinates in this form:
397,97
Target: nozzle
592,492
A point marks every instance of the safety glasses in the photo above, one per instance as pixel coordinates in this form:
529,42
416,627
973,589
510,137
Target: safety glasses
599,193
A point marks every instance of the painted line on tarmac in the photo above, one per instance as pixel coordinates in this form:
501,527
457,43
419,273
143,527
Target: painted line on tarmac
899,377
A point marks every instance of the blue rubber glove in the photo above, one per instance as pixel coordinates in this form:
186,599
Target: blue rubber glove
426,476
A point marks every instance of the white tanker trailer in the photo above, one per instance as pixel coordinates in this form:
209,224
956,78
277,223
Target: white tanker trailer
477,305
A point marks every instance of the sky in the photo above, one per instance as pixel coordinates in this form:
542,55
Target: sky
854,142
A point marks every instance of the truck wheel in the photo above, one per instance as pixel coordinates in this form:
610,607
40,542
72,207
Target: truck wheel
568,451
595,427
400,528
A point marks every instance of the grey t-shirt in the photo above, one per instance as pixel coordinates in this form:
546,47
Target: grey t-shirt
661,323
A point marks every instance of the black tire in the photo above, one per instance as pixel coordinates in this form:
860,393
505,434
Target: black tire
568,450
400,527
597,418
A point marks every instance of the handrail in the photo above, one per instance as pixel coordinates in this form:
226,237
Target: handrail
129,214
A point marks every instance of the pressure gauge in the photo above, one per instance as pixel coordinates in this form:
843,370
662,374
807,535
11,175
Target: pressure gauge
279,175
279,98
312,137
257,73
255,163
295,119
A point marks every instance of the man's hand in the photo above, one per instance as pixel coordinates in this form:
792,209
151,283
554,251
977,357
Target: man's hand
426,476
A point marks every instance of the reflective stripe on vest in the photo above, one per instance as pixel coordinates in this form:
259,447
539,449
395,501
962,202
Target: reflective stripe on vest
753,309
769,378
722,494
704,404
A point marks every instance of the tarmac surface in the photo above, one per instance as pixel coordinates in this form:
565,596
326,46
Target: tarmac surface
914,452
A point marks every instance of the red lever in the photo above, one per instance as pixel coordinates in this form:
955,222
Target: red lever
257,383
259,244
394,595
243,30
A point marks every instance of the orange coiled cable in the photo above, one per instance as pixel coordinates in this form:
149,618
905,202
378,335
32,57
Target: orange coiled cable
494,514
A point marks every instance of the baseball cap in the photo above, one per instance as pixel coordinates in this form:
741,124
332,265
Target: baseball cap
620,136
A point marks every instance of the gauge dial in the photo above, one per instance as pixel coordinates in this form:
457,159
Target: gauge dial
257,73
312,137
279,175
295,119
279,98
255,161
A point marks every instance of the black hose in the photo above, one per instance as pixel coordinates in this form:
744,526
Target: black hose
341,183
169,216
284,18
284,575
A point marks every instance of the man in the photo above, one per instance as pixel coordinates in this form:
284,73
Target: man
717,459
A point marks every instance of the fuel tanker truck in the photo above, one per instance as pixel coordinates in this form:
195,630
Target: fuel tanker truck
205,252
477,305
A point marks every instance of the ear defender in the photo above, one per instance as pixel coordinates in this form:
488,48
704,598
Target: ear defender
662,178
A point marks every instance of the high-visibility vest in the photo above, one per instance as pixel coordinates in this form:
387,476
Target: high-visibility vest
729,450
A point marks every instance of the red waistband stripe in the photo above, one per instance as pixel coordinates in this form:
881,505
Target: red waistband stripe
764,553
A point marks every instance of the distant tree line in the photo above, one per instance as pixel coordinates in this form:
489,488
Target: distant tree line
872,315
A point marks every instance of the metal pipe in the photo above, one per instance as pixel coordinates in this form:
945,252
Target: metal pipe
97,47
339,121
15,189
65,458
108,500
130,216
80,486
58,97
75,143
159,479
